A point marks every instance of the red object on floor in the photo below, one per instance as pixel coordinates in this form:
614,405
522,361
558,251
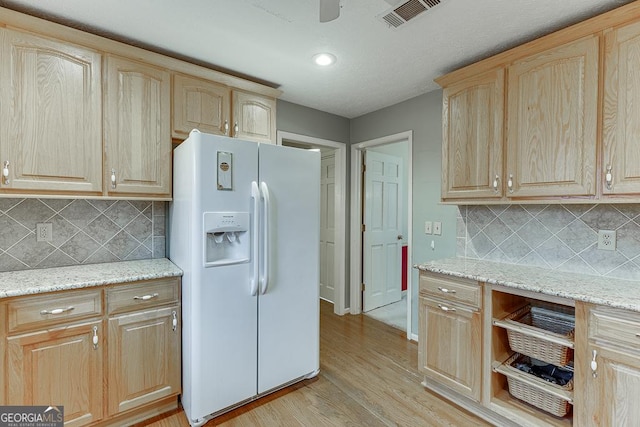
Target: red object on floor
404,268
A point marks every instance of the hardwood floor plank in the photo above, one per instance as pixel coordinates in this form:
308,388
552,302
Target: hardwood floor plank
368,377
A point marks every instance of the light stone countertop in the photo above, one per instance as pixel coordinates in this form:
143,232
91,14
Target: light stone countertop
27,282
616,293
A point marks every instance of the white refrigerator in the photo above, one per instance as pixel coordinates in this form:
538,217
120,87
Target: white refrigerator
245,230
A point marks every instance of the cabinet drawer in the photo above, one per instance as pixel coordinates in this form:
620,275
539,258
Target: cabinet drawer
50,309
617,326
451,289
142,295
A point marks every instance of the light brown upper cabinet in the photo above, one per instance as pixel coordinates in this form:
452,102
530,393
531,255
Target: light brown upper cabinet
552,115
221,110
472,123
200,104
621,111
254,117
50,116
137,128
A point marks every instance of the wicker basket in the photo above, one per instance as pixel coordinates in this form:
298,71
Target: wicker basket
535,330
536,391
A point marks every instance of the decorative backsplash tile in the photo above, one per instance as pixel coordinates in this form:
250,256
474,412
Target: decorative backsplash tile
84,232
562,237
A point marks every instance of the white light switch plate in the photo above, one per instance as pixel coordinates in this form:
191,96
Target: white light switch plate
427,227
437,228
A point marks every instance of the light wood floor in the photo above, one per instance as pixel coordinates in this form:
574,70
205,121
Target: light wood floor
368,377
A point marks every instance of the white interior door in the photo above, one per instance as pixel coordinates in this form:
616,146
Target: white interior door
327,226
382,240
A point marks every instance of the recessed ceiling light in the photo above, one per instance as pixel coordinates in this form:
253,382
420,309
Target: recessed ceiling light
324,59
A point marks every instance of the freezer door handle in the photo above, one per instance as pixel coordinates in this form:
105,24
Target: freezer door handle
264,278
255,195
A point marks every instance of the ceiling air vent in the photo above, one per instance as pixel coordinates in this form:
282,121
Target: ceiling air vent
406,11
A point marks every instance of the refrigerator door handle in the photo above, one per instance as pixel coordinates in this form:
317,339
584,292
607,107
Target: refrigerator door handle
255,195
264,279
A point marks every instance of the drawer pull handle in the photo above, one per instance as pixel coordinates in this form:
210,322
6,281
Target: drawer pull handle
174,321
594,364
146,297
95,338
446,291
57,310
638,335
445,308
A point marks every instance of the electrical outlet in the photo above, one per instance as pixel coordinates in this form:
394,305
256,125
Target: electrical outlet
44,232
427,227
607,240
437,228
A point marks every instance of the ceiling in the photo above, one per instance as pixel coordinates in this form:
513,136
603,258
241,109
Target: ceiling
273,41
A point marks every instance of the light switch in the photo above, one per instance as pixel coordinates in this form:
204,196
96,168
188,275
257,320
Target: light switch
427,227
437,228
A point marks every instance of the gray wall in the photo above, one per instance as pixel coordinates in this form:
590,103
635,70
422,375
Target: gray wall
307,121
422,115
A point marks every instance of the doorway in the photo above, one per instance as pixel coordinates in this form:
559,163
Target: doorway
398,236
333,217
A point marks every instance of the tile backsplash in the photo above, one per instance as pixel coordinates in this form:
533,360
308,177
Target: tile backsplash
562,237
84,232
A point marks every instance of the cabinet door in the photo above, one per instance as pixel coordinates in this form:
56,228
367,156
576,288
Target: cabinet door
58,366
254,117
450,339
611,397
137,128
50,116
472,123
200,104
621,109
144,358
552,118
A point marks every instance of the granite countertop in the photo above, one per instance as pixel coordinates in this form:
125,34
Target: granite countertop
27,282
616,293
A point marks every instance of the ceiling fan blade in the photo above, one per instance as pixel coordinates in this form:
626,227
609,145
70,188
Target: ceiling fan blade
329,10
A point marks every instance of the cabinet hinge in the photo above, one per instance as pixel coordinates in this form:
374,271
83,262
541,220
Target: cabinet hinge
362,286
362,228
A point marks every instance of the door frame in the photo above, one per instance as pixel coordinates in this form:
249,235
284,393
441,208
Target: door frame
355,275
339,305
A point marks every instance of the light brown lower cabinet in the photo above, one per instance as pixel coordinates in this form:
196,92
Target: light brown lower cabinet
608,367
110,355
60,367
452,337
463,345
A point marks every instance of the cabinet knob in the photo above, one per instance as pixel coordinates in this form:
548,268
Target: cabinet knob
496,181
235,129
226,127
95,338
174,322
510,183
608,178
5,173
113,179
594,364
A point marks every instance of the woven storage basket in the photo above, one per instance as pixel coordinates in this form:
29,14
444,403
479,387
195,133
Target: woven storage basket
547,320
537,396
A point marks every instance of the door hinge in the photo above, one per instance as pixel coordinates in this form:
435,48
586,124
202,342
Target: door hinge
362,286
364,168
362,228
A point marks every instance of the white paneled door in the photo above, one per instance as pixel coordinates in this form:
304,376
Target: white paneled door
327,226
382,249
